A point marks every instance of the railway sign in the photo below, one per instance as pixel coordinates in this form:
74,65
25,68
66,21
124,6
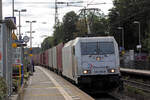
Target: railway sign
11,18
21,44
26,39
14,45
30,55
19,41
14,37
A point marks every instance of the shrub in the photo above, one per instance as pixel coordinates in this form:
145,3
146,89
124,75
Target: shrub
3,88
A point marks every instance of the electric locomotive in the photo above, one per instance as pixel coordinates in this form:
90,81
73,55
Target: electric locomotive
92,62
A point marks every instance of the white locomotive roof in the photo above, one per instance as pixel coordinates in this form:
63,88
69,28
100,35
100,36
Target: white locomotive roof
70,43
91,39
108,38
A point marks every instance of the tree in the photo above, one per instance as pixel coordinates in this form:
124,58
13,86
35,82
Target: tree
123,14
95,20
58,34
76,26
47,43
69,25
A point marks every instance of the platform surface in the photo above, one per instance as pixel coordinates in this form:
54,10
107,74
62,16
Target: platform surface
136,71
46,85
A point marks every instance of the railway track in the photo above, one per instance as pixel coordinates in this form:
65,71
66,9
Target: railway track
98,95
104,96
138,85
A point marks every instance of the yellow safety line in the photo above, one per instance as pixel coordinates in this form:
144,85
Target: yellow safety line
50,94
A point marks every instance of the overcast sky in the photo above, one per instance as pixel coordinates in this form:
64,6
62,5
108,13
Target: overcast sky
43,12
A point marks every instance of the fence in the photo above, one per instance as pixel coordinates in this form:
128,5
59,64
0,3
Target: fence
6,52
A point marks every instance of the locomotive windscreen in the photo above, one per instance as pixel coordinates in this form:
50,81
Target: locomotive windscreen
97,48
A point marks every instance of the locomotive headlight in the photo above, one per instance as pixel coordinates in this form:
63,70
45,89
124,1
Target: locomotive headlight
86,71
112,70
98,58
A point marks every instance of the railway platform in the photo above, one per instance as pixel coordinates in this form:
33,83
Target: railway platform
46,85
136,72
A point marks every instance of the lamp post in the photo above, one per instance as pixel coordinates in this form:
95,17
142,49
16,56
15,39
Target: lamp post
121,28
13,8
31,61
140,46
31,31
22,10
1,10
21,51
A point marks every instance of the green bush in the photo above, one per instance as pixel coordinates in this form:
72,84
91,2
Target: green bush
3,88
15,85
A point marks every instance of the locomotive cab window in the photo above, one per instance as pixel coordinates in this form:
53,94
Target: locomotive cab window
97,48
89,48
106,48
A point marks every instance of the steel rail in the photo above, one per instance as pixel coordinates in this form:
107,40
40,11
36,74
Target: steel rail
138,85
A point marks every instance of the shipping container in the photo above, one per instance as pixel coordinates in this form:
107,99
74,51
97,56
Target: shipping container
59,57
36,59
50,58
54,58
46,58
41,59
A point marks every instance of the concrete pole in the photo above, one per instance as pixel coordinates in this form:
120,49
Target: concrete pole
13,8
1,17
139,34
19,25
123,38
30,34
137,22
21,60
140,38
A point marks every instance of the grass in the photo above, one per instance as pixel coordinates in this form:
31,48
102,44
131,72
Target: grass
136,93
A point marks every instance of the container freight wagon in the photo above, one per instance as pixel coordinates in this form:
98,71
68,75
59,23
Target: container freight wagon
59,57
54,50
92,61
36,59
50,58
41,58
46,58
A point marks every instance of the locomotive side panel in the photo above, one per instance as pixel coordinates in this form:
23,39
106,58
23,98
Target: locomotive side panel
67,62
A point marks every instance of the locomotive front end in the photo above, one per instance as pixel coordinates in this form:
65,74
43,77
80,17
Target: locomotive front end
100,63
